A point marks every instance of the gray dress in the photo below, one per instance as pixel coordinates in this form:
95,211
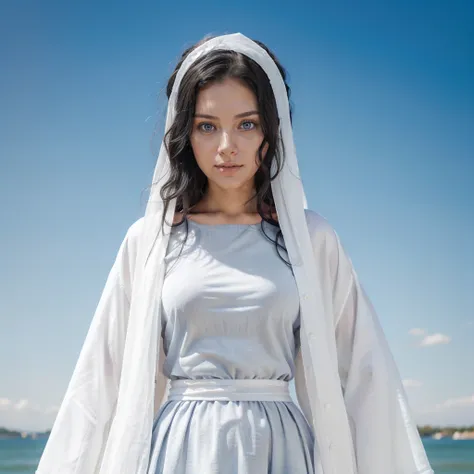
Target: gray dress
230,310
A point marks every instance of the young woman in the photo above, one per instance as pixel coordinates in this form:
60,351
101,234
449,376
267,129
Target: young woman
225,291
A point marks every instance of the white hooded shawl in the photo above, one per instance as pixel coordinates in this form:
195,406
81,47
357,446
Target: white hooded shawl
346,381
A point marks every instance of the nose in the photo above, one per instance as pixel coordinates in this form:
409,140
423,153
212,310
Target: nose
226,145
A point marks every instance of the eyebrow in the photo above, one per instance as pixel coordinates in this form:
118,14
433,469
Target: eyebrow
244,114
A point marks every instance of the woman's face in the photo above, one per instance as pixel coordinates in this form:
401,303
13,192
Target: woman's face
226,134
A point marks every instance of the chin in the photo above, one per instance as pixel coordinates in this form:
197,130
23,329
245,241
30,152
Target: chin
231,183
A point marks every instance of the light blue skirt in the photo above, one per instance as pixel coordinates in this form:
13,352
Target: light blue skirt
230,437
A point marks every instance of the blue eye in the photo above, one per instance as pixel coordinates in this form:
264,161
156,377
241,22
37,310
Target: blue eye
248,125
206,127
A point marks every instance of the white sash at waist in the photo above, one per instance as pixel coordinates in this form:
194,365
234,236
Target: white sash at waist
230,390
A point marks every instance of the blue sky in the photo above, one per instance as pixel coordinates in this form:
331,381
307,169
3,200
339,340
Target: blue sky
384,127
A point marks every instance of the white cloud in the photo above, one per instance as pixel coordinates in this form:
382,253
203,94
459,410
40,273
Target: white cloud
5,403
416,332
21,405
434,339
457,402
26,415
429,339
410,383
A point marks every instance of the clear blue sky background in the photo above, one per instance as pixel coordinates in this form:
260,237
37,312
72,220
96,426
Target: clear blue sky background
384,121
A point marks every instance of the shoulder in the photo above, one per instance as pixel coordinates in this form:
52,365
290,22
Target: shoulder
126,260
326,243
129,247
320,230
315,220
327,246
133,233
135,229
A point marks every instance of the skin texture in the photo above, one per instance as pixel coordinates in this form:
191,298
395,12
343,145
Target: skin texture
226,131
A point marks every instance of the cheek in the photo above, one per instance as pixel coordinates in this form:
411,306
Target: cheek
251,144
204,150
254,152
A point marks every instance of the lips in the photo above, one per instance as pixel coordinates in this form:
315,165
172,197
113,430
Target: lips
228,169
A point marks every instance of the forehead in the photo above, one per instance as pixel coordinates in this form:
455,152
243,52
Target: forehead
228,95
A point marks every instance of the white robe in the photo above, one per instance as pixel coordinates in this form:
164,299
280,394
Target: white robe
346,381
384,436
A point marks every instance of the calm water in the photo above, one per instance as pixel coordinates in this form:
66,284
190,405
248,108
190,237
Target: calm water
20,456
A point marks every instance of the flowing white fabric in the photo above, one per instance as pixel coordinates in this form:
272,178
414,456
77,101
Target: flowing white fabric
347,383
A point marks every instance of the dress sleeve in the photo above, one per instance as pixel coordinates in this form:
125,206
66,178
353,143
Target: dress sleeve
384,434
81,426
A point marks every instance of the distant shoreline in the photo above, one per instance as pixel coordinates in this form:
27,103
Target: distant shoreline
13,434
427,431
454,432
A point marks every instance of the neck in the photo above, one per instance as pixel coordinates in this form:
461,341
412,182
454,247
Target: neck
229,203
